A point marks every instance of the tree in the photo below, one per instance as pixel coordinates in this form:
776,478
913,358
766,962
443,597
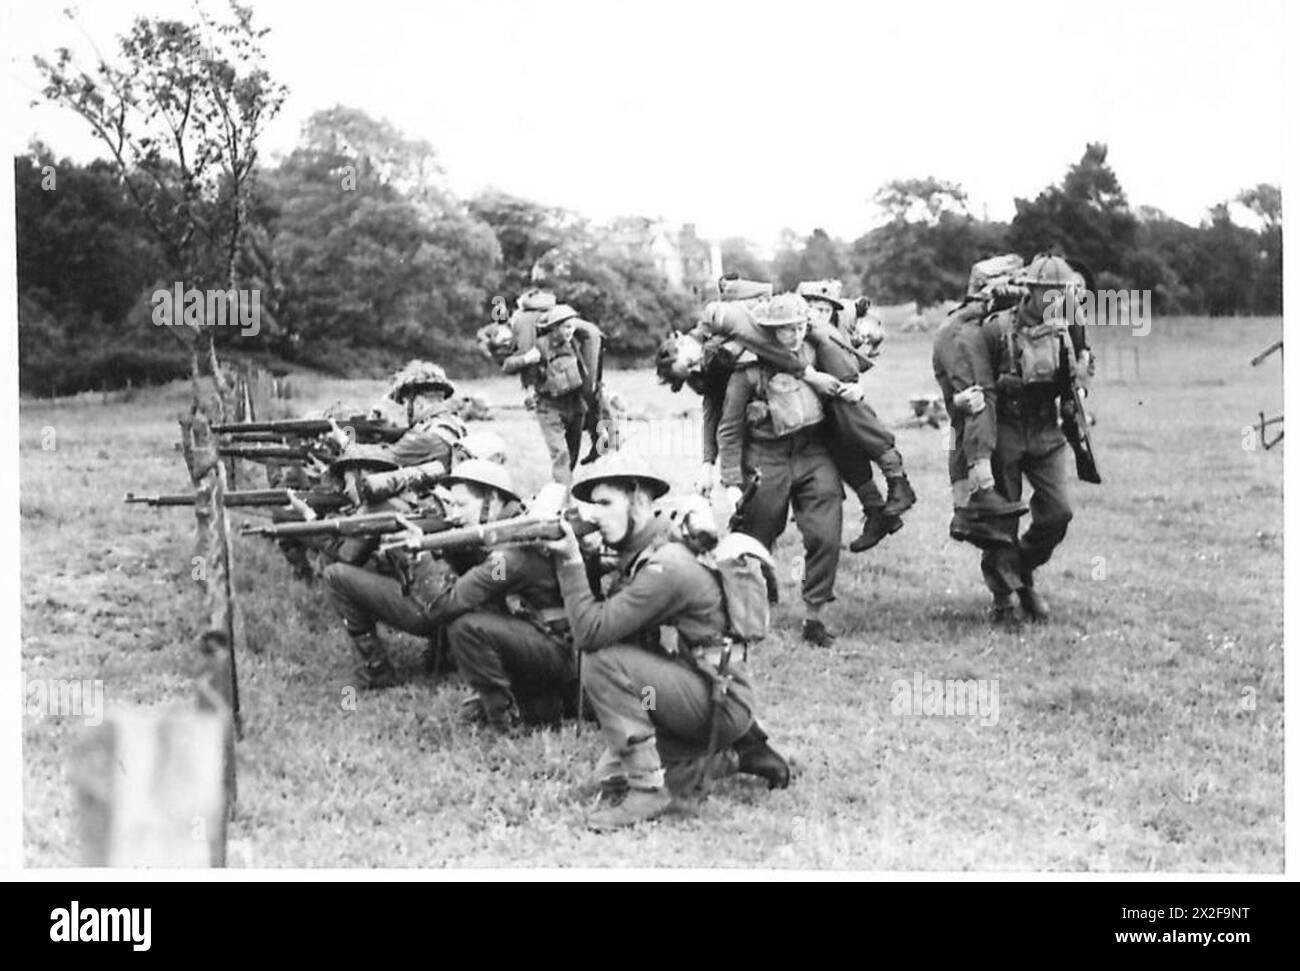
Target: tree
738,256
625,295
925,251
1086,216
180,111
524,231
369,253
1265,201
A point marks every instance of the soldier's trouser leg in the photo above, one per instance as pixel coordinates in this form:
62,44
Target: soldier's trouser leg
1044,465
1001,565
855,468
818,500
362,597
769,508
561,422
504,657
653,710
861,428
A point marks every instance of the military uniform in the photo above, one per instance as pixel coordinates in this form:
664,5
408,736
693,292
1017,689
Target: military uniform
772,424
857,437
363,598
1030,445
654,707
564,376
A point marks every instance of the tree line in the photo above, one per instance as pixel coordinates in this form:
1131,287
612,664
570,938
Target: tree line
362,256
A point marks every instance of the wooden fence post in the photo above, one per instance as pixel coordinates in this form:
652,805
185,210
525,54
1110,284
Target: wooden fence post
149,789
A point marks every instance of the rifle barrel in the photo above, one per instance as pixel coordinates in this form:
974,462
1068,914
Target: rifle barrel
264,453
320,501
368,524
365,429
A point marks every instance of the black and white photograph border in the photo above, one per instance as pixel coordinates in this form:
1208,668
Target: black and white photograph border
591,440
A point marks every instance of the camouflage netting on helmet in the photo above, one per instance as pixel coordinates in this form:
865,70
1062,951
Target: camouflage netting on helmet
420,374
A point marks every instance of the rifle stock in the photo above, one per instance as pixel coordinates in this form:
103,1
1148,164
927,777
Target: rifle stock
1080,439
746,497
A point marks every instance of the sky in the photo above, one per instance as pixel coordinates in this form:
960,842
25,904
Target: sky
745,118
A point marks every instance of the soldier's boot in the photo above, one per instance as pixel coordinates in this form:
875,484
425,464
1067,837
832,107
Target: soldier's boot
816,633
1033,604
375,670
875,527
988,504
901,497
1003,611
638,806
500,711
760,759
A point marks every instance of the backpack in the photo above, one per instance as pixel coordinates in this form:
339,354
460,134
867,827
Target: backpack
994,271
747,575
1034,353
741,565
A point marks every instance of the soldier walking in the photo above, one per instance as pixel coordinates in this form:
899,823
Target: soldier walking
773,426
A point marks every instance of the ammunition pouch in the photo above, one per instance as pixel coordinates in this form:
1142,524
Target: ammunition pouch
562,375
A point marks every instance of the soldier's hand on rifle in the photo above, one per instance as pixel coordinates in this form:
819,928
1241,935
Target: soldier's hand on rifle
566,548
307,512
351,489
532,356
970,401
339,436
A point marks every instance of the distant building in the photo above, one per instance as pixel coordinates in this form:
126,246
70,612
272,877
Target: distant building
681,256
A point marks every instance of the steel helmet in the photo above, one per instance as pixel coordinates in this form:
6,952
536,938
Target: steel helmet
556,315
488,446
1046,271
785,310
484,473
618,467
827,291
364,458
420,376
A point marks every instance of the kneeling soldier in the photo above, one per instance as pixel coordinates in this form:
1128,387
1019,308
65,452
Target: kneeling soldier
506,659
654,701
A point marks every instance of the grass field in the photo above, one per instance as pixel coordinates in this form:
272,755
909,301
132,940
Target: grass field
1141,730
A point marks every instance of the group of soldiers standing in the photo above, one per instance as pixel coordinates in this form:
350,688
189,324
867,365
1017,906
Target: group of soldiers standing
629,615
